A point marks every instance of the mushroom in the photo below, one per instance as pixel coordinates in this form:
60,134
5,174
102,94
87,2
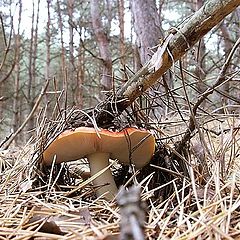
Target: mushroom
131,145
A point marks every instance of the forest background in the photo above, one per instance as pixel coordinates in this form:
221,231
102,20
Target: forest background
87,48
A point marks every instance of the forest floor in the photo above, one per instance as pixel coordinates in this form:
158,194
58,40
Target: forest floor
198,209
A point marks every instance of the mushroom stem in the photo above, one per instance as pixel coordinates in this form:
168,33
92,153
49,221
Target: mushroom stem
97,162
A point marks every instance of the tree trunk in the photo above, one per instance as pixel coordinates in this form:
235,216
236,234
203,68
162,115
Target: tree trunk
201,65
80,77
71,68
63,52
48,40
32,64
103,43
16,112
227,46
122,39
60,24
147,26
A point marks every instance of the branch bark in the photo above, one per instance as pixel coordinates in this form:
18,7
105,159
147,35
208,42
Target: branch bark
176,45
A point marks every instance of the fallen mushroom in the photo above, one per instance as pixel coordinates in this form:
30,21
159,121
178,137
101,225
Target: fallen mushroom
128,146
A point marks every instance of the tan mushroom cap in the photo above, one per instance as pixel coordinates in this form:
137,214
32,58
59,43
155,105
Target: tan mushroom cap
83,141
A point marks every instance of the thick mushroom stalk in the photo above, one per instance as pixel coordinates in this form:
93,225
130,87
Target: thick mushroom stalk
97,162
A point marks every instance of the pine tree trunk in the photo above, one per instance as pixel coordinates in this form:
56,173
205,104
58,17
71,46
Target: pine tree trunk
227,46
147,26
32,64
122,46
103,44
80,77
71,69
63,74
16,107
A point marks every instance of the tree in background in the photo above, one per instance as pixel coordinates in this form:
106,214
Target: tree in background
103,40
32,58
147,25
16,98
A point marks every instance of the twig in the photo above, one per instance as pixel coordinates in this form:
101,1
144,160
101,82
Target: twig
210,90
132,214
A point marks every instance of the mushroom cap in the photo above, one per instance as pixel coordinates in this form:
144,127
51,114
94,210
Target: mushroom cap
130,143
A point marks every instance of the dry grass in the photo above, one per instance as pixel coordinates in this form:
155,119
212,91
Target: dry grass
204,205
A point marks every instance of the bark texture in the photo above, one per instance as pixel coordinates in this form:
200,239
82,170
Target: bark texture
103,43
227,46
16,106
147,26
